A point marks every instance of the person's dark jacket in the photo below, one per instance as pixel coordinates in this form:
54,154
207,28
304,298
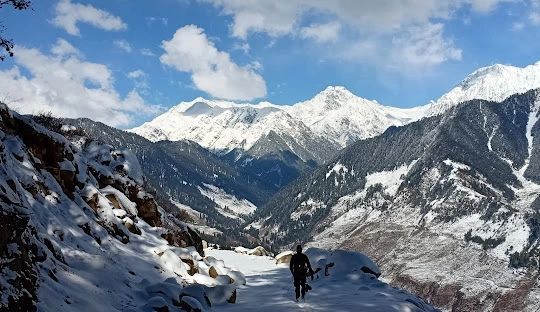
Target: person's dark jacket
300,265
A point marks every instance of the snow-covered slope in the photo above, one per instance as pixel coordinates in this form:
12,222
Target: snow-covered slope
491,83
79,232
218,125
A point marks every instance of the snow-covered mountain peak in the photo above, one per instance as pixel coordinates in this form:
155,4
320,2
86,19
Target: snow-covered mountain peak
336,91
335,114
332,98
492,83
344,117
489,72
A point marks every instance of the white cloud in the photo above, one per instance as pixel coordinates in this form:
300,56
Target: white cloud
535,18
532,16
212,71
136,74
281,17
147,52
123,44
321,32
63,47
518,26
69,14
412,52
425,45
68,87
369,24
244,47
276,18
151,20
255,66
361,50
140,78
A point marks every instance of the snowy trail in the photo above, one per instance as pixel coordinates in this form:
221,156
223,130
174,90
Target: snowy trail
269,287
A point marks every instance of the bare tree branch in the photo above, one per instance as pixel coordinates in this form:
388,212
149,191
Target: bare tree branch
7,44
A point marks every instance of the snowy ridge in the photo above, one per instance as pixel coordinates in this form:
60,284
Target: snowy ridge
346,118
334,114
218,125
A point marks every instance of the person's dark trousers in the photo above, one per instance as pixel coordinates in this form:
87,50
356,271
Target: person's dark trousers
299,281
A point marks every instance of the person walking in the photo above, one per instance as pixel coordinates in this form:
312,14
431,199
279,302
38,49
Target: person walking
299,267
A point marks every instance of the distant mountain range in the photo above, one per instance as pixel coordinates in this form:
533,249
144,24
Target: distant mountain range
281,142
334,118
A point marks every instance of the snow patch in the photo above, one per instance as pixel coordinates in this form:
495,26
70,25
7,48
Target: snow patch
338,169
307,208
389,180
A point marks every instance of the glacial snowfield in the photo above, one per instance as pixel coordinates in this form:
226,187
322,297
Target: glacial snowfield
269,287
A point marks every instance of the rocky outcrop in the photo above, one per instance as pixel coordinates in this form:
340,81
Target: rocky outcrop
181,235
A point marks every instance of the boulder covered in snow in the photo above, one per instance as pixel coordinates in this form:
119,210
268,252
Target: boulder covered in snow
257,251
195,297
345,262
240,249
284,257
318,258
341,262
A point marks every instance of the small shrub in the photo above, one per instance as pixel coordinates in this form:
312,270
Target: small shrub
47,120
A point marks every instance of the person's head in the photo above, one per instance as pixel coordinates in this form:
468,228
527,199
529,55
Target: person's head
299,248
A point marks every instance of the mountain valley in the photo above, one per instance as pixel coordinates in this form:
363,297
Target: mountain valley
444,197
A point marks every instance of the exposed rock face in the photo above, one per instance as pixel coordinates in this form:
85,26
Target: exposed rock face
19,253
180,235
146,205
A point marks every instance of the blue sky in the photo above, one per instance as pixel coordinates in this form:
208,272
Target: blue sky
124,62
